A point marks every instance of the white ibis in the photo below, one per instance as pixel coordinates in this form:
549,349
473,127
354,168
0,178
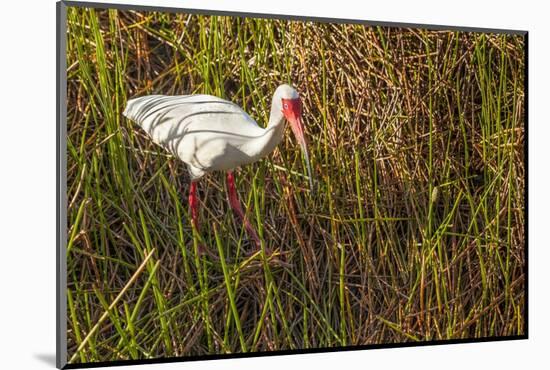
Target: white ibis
211,134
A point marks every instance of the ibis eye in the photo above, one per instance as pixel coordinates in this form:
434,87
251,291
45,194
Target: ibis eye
285,106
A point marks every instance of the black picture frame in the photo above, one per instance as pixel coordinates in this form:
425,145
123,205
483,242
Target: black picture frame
61,188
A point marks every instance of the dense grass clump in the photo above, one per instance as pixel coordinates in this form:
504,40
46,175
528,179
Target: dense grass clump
416,230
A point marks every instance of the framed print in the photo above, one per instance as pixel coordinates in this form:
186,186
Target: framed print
235,184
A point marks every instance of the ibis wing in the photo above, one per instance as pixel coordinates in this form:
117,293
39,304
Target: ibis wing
200,129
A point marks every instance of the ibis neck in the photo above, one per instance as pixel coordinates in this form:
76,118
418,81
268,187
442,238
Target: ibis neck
272,135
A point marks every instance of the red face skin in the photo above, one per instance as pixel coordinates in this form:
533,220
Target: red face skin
292,110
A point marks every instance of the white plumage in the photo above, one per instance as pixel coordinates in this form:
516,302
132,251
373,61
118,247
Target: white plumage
211,134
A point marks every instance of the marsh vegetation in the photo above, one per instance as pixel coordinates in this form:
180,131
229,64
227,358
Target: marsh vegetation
416,230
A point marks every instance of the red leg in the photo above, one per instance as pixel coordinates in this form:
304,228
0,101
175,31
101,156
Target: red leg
236,205
194,204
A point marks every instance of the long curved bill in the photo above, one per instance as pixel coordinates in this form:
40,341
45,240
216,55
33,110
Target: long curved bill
298,130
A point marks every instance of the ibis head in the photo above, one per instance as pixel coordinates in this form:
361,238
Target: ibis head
292,110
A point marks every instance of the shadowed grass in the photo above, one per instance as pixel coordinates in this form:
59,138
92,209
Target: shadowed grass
415,231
